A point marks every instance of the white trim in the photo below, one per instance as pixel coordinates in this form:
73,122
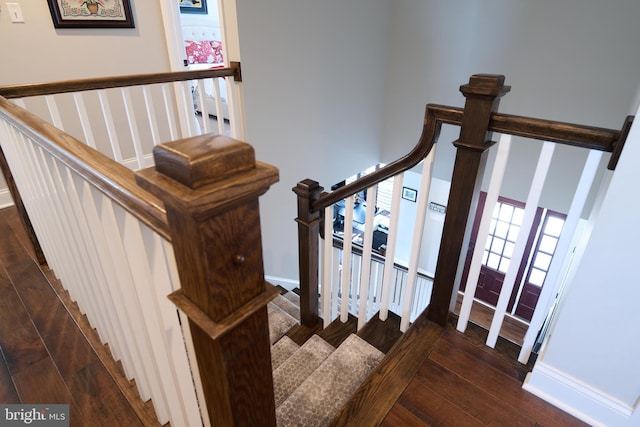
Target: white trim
288,284
577,398
5,198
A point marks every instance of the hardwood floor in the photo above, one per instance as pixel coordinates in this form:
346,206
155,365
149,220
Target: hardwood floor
464,383
45,357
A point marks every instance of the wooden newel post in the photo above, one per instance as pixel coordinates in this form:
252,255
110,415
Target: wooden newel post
210,187
308,250
483,94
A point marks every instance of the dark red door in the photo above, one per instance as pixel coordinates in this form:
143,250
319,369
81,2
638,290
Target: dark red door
503,232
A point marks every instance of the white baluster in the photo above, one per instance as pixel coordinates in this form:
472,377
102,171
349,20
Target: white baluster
367,249
85,122
531,206
218,102
553,281
131,235
136,336
327,247
421,212
54,113
347,251
111,128
497,175
169,111
204,108
151,116
134,132
392,237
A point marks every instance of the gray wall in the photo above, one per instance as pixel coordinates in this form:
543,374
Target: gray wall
314,75
333,87
568,60
35,51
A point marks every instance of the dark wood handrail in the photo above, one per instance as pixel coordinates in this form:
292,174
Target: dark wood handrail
590,137
108,176
36,89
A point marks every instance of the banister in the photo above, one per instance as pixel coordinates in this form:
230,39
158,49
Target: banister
590,137
210,186
108,176
35,89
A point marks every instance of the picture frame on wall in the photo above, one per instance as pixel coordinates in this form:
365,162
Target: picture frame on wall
193,6
409,194
91,13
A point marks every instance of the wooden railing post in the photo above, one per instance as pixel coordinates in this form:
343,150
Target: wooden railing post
210,187
308,250
483,94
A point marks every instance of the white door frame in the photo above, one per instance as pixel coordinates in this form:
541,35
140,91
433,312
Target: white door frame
230,46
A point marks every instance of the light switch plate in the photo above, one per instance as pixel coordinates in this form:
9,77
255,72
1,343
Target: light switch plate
15,12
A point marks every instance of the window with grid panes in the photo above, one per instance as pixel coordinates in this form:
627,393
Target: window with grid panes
503,232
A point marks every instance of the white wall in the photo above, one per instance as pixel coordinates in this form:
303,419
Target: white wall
313,93
35,51
590,363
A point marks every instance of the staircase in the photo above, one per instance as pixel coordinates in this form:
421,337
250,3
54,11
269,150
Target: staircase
314,380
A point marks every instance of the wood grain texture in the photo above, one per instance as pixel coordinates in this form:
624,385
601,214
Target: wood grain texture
382,335
494,378
190,161
308,219
378,393
78,85
49,347
108,176
482,94
215,229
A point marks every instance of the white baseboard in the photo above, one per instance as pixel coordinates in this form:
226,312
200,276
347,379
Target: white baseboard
288,284
5,198
577,398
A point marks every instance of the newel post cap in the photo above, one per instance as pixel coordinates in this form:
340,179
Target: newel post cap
201,160
485,85
206,173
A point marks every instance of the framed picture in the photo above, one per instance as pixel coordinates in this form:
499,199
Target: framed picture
409,194
193,6
91,13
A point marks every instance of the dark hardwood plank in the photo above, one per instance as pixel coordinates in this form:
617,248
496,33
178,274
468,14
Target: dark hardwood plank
59,341
300,334
399,416
505,362
382,335
8,393
20,342
13,220
485,371
337,331
433,409
469,398
42,384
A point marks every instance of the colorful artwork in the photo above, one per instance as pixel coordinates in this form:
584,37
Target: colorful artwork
193,6
91,13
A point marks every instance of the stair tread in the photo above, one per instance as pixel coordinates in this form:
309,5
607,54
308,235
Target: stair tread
293,297
279,322
297,368
326,390
286,305
282,350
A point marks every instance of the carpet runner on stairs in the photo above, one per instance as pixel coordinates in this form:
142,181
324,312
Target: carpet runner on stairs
313,381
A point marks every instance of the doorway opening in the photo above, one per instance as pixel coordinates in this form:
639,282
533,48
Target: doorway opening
542,240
